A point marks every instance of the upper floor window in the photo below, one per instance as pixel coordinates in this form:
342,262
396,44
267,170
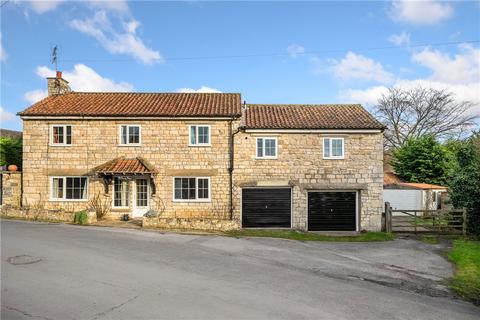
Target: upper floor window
61,135
130,135
68,188
333,148
267,148
199,135
191,189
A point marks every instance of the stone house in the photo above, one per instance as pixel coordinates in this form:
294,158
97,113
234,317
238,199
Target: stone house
205,156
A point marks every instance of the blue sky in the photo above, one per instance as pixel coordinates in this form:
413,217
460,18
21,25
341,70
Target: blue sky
270,52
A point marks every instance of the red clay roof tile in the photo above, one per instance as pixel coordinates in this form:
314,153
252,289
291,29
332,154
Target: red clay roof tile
138,104
262,116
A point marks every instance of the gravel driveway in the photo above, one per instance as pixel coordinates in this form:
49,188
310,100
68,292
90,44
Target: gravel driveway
56,271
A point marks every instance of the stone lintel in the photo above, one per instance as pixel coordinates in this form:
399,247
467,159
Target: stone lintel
191,172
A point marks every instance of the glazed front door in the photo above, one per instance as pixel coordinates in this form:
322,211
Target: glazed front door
141,201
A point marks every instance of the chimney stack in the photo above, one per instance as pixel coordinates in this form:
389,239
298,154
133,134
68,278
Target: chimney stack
57,85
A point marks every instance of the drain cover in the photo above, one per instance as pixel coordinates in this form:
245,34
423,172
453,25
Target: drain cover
23,259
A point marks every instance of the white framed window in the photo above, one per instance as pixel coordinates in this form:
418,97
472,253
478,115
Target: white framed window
266,148
121,193
191,189
130,135
333,148
68,188
199,135
60,135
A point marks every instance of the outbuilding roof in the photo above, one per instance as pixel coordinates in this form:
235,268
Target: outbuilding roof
323,116
121,104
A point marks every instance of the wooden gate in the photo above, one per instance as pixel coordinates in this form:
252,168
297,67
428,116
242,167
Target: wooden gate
444,221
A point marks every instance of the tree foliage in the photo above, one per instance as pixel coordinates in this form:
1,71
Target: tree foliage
11,152
422,159
465,182
410,114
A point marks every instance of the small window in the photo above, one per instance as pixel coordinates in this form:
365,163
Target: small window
130,135
69,188
61,135
121,193
333,148
191,189
267,148
199,135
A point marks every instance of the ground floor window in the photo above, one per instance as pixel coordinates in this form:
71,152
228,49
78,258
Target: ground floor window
191,189
121,193
69,188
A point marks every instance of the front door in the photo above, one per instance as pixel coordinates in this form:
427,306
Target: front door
141,201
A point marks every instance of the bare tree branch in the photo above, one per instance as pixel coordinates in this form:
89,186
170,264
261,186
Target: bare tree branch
417,112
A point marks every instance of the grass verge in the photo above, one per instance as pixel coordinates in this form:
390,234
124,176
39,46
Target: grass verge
466,282
310,236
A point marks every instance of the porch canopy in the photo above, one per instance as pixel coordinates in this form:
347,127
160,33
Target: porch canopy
124,168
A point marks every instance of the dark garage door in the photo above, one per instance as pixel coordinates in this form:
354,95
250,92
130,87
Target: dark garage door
332,211
266,207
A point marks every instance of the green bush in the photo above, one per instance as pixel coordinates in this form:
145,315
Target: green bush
11,152
465,183
81,217
422,160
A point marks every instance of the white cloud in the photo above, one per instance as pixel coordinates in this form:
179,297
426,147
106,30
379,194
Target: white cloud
420,11
400,39
124,42
3,53
84,78
294,50
369,97
355,66
463,68
459,75
6,115
118,6
42,6
202,89
35,95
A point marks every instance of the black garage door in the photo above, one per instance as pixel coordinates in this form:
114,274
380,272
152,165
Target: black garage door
332,211
266,207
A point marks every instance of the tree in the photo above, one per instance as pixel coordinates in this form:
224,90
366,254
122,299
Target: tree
422,159
418,112
11,152
465,182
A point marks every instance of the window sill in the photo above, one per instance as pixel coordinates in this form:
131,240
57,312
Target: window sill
198,200
129,145
266,158
334,158
68,200
199,145
59,145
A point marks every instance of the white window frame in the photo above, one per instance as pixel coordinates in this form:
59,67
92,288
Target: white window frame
64,143
129,191
64,196
209,199
196,144
263,146
127,144
331,157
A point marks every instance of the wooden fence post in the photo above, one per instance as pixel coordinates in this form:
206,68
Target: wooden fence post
464,222
388,217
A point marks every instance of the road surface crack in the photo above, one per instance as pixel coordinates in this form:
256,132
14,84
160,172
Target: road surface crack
26,314
103,313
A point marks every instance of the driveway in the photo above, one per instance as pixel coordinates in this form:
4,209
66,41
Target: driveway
56,271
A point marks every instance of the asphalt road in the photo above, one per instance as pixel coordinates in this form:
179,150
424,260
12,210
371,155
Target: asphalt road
55,271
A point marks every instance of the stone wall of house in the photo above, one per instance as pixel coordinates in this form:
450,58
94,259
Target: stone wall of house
191,224
164,144
11,188
300,164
